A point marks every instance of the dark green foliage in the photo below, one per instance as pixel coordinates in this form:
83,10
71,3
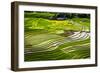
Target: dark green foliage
38,15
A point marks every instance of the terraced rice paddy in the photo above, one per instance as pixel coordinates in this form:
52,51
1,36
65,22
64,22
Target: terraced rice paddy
47,40
54,47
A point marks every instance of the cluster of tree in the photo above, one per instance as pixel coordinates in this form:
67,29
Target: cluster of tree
70,15
73,15
45,15
54,15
